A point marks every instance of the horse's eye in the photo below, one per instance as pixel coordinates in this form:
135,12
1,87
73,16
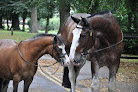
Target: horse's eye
83,35
60,49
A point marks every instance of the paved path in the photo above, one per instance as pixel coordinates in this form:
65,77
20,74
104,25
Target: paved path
49,83
41,83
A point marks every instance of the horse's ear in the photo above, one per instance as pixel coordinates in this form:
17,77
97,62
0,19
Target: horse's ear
76,20
55,39
85,21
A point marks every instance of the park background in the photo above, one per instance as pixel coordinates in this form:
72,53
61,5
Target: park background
29,17
48,16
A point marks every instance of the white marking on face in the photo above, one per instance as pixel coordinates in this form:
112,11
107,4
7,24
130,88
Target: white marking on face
67,60
99,33
75,42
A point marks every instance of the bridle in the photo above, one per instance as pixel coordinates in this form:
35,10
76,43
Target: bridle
59,57
84,52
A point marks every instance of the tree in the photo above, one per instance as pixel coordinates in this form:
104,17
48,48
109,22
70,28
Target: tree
132,10
23,10
64,9
33,5
13,5
12,9
83,6
46,10
5,11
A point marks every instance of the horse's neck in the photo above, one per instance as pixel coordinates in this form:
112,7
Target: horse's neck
34,49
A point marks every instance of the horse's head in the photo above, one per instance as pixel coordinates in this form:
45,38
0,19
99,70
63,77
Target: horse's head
59,48
82,39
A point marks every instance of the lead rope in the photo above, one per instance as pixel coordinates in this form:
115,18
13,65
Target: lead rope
49,73
108,46
85,56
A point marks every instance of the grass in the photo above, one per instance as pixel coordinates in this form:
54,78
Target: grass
129,60
18,35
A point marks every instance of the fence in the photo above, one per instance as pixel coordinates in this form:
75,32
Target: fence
131,40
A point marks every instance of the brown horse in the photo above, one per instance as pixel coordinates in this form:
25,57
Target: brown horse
19,61
96,37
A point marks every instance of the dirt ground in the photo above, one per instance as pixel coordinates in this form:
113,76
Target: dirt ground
127,76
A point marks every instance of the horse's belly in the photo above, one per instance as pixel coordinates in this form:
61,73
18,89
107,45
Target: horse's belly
5,72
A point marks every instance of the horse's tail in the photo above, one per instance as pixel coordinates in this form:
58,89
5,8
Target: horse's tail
66,83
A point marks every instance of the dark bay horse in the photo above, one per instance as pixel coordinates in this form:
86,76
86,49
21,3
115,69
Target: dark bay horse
97,38
19,61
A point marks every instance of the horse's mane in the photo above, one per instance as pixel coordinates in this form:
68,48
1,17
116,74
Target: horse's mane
100,13
53,35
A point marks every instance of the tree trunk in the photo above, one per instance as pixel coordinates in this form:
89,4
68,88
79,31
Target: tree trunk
15,21
34,27
47,24
129,22
24,17
1,22
136,22
95,6
64,12
7,23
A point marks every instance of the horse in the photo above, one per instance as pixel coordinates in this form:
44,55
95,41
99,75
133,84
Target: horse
97,38
19,61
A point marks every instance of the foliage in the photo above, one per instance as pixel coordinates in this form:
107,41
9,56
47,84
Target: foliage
124,10
82,6
53,23
46,8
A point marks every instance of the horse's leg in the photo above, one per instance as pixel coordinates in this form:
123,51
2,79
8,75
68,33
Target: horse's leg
66,82
27,83
112,78
16,80
72,77
5,85
95,76
1,84
77,70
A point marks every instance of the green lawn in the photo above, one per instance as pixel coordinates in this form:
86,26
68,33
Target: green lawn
18,35
129,60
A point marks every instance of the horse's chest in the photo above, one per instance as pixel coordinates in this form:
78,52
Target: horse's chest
28,72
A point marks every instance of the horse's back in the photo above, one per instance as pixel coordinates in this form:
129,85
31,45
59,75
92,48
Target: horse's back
7,42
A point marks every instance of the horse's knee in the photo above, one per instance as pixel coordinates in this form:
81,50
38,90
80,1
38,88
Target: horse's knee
5,85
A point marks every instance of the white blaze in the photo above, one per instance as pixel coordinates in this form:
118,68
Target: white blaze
67,60
75,42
